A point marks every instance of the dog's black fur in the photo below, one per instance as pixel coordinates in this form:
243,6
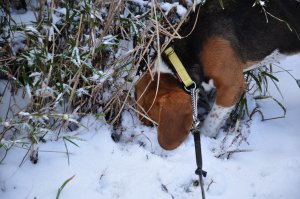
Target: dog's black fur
253,31
20,4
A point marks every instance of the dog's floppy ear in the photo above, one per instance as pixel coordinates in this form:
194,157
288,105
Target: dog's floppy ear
175,119
171,110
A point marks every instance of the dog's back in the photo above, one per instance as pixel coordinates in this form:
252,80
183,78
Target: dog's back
224,42
253,32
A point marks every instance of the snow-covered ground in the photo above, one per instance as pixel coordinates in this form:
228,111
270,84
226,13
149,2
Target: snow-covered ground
137,167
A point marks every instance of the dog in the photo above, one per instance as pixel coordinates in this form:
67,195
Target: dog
219,42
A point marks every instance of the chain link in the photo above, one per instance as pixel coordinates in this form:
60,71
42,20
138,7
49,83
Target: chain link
194,94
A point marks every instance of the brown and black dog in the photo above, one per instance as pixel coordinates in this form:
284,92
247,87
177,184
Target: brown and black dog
222,44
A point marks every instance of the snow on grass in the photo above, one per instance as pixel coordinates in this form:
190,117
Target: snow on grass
136,167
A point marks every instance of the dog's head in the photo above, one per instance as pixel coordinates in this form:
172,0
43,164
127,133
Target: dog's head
167,104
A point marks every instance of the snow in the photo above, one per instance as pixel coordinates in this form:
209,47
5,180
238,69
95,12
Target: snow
181,10
19,18
136,167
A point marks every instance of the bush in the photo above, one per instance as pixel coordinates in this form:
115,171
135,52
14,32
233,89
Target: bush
80,57
76,58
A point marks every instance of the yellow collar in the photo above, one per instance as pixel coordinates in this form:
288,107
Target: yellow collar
178,66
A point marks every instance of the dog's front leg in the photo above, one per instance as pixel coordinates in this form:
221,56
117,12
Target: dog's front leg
215,119
221,63
227,97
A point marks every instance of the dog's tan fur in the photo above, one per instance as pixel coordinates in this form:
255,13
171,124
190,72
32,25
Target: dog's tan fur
222,65
172,108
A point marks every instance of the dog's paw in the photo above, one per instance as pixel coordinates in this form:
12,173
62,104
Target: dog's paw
215,120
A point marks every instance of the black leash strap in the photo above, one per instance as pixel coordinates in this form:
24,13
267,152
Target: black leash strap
198,152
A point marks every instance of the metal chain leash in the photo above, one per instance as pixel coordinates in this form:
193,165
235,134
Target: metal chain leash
194,95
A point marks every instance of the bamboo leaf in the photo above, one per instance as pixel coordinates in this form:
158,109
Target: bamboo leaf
260,97
270,75
298,82
221,4
63,186
257,81
278,89
69,139
281,105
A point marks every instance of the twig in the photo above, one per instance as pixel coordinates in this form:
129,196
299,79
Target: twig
231,152
208,186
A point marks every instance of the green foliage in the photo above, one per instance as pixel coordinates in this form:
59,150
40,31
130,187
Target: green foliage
221,4
258,86
76,58
63,186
